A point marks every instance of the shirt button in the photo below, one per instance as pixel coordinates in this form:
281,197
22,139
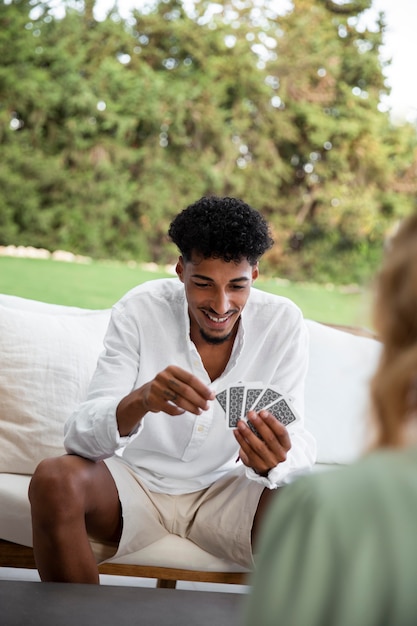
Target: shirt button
200,429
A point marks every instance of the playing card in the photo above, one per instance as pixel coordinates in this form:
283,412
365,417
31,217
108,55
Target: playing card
221,398
252,393
235,404
283,411
237,399
268,396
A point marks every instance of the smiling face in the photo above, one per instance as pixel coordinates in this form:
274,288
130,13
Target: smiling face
216,293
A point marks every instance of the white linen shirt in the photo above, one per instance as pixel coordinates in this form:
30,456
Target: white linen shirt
149,329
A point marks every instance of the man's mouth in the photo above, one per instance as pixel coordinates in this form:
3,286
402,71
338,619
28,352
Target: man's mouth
217,320
218,328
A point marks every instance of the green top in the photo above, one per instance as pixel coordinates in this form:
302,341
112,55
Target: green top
339,548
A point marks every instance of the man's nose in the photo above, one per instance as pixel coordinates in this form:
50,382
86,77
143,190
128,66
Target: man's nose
221,303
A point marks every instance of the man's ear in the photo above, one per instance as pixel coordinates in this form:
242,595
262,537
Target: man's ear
179,268
255,272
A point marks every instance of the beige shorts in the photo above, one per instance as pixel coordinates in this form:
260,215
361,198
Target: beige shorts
218,519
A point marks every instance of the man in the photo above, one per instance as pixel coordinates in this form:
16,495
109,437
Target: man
149,451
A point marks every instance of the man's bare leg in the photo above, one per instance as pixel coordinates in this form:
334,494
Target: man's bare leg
70,498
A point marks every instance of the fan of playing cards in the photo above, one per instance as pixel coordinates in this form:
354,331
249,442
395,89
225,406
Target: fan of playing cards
236,400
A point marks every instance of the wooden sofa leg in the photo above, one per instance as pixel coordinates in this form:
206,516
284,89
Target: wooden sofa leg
163,583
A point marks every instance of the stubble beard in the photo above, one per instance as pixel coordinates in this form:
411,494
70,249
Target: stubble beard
215,341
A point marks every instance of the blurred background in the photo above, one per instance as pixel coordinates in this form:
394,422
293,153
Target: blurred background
115,116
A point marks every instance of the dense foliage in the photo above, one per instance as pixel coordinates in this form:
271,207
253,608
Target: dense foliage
108,128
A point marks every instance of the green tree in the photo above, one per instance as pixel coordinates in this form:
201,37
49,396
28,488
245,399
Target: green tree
341,147
108,128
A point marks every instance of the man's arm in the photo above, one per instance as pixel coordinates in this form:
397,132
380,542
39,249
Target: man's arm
113,410
282,453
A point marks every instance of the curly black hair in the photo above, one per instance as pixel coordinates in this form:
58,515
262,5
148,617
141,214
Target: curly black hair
223,228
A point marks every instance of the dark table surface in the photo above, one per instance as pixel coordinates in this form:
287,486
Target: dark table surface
60,604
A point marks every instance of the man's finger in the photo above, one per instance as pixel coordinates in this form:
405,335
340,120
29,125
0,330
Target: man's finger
272,432
179,379
188,389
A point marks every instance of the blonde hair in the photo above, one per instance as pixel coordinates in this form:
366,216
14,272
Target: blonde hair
394,385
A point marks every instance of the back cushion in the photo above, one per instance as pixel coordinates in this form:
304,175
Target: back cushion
48,356
337,408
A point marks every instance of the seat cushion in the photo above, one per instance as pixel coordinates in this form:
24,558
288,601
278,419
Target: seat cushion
15,519
177,552
171,551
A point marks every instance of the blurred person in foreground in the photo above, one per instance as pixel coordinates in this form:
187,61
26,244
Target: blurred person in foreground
149,452
340,548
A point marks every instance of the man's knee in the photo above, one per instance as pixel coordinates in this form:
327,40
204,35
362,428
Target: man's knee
57,481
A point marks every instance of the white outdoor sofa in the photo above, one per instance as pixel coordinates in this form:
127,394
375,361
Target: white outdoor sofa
48,353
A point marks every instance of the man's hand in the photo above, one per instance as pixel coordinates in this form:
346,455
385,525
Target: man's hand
262,455
173,391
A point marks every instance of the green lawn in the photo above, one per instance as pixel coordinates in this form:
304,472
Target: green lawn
100,284
92,285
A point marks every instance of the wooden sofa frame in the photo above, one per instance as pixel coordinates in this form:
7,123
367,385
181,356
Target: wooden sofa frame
15,555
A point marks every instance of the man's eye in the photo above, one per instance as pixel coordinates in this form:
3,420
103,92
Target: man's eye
201,284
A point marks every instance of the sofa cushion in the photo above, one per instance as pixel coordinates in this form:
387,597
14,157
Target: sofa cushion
15,518
170,551
47,360
337,407
178,552
37,306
